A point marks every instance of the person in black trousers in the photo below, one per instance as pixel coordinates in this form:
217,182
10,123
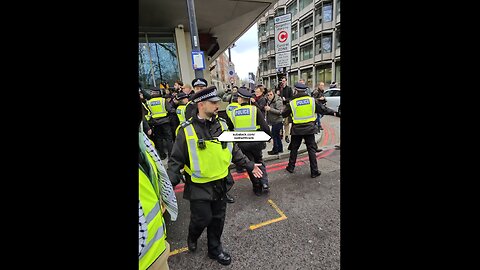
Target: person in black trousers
302,109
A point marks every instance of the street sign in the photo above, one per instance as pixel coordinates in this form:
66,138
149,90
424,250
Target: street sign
283,25
231,72
198,60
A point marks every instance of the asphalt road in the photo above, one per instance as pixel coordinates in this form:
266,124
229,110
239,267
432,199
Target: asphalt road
300,218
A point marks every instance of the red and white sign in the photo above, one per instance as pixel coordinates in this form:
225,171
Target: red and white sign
282,36
283,25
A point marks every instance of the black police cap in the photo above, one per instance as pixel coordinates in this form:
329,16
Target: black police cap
244,92
209,93
300,86
199,82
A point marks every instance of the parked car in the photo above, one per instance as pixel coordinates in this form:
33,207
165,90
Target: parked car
332,96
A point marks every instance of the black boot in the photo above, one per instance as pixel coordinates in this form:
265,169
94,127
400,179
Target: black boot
229,198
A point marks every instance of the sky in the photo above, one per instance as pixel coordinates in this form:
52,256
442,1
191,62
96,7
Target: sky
245,53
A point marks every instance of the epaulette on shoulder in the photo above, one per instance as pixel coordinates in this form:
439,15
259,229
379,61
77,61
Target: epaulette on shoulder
186,123
222,119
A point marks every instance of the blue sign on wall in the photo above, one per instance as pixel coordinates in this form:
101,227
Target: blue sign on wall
198,60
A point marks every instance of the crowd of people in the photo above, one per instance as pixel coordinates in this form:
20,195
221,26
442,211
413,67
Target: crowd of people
182,124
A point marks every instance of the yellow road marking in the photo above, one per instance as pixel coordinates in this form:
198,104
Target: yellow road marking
282,217
176,251
252,227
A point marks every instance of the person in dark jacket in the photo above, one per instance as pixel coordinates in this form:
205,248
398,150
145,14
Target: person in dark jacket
206,161
273,111
198,85
302,109
259,99
162,112
319,97
252,120
286,94
146,113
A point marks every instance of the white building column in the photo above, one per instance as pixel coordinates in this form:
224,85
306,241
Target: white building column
184,52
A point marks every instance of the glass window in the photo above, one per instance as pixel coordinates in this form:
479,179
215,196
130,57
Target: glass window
273,81
292,78
337,73
292,8
294,32
270,25
279,11
265,65
306,51
338,7
337,38
157,61
306,75
261,30
323,74
318,44
303,4
294,55
327,12
318,15
306,26
272,63
271,43
327,43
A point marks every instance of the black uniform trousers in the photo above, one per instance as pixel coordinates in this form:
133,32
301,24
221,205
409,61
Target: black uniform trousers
311,148
163,138
253,150
209,214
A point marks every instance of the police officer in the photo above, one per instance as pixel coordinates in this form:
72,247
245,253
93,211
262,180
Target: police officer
302,109
182,100
198,85
147,114
249,118
153,202
233,105
206,161
160,122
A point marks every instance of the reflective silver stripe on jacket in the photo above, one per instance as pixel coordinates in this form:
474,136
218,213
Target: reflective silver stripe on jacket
229,144
158,235
153,212
253,116
195,162
294,110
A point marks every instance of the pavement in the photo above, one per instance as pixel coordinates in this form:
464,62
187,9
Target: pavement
294,226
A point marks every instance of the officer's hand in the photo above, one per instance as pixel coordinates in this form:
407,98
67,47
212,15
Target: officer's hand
149,132
256,170
252,99
176,180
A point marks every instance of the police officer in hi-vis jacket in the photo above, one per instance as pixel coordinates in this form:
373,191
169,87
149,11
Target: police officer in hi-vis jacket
206,160
303,109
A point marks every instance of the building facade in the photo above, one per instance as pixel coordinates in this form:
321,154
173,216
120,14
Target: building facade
219,72
165,42
315,43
